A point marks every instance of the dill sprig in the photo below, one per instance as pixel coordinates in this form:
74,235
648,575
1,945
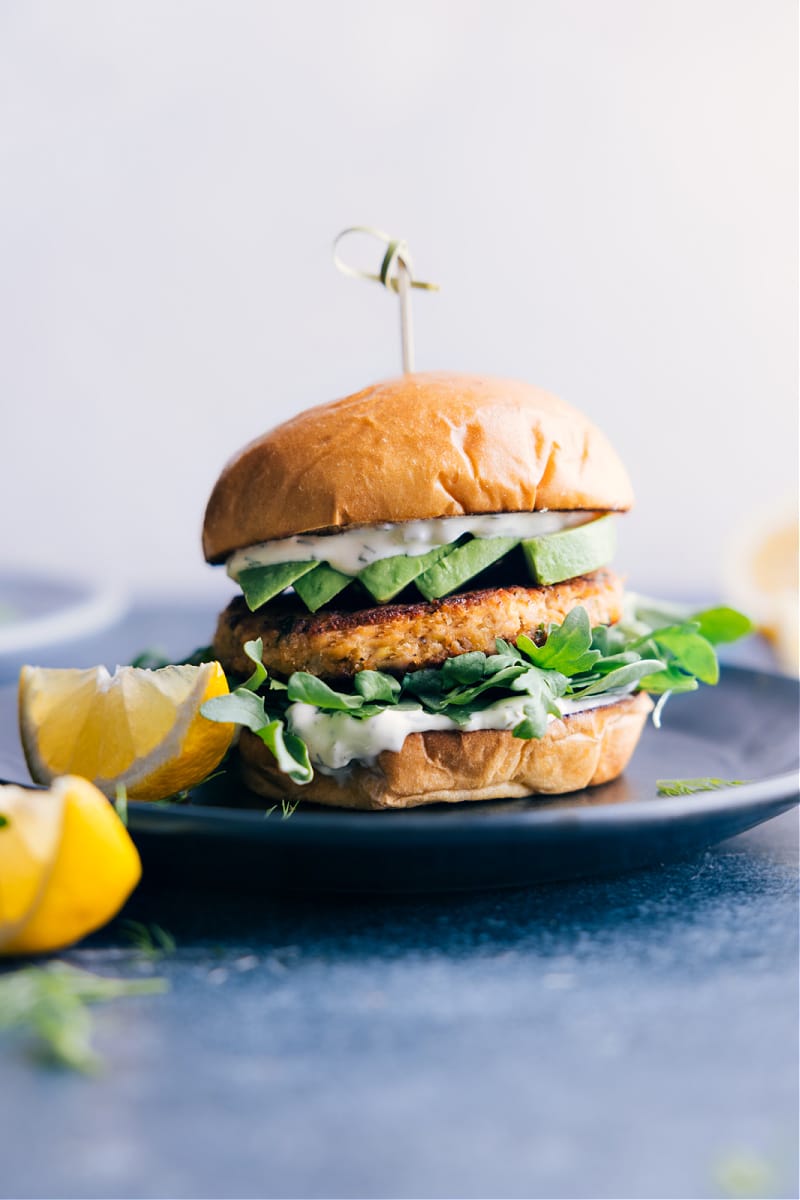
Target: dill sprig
51,1004
151,940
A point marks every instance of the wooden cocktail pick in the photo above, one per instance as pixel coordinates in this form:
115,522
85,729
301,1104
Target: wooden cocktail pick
396,273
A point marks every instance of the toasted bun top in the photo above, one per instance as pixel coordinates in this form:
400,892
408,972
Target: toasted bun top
428,445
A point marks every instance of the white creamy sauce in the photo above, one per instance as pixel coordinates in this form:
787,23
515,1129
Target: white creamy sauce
355,548
336,739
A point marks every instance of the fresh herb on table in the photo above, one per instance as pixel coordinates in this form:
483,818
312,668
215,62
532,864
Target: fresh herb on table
151,940
51,1004
688,787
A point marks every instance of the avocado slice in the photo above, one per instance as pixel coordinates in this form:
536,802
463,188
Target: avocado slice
387,577
260,584
465,561
571,552
321,585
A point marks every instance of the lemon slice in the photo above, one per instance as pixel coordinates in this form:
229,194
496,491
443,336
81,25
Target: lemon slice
67,865
136,728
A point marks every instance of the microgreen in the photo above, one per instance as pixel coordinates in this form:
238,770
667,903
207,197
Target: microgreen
289,751
689,650
717,625
254,651
309,689
619,679
723,624
537,710
245,707
288,807
240,707
567,648
669,679
377,686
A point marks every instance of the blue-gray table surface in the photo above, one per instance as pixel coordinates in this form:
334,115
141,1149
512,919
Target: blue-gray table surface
629,1037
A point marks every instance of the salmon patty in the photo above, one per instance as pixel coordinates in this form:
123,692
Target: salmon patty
404,637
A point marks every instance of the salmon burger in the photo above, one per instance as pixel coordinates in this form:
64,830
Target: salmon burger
428,612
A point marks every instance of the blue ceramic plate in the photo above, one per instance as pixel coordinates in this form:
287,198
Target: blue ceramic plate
746,729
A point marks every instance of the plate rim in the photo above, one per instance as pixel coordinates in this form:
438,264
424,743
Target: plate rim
767,791
96,607
757,793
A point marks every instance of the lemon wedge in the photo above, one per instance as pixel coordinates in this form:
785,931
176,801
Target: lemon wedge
30,831
760,575
67,865
138,729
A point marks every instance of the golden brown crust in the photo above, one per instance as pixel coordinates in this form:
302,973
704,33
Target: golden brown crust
427,445
405,637
578,751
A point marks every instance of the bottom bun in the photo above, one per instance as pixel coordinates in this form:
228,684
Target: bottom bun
578,751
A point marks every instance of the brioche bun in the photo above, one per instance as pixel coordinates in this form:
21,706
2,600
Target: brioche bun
421,446
578,751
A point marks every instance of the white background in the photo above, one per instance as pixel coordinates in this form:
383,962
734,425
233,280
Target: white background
606,190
